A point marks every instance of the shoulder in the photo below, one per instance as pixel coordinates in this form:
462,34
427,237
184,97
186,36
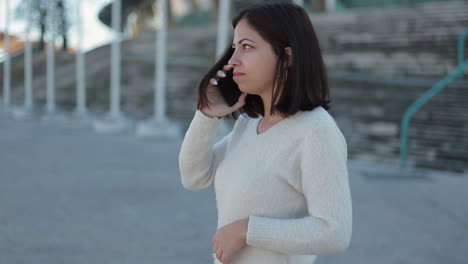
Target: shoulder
319,126
318,118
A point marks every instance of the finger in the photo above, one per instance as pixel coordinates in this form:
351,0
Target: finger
220,74
225,259
216,248
213,81
242,97
219,254
221,258
240,102
227,67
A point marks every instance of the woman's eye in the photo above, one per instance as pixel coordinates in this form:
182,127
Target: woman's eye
243,45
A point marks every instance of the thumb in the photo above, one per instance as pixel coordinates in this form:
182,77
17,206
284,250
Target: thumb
240,102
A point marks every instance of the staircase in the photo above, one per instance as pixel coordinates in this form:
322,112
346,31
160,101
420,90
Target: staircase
419,41
380,61
369,114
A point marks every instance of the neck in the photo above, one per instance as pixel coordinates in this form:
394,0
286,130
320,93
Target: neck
267,117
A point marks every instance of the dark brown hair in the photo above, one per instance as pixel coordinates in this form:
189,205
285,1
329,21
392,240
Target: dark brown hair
305,84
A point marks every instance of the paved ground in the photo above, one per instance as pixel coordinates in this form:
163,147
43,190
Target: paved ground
68,195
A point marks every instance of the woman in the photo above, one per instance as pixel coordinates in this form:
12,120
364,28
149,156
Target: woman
280,175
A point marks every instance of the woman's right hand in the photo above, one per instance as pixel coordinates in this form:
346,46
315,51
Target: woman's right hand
217,107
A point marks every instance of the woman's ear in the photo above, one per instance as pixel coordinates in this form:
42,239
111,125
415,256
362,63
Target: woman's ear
289,54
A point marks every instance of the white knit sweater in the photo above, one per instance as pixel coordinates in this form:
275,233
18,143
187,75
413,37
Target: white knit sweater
291,181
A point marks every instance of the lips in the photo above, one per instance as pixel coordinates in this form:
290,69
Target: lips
237,74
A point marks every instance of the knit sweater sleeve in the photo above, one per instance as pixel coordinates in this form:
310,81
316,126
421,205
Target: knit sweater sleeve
199,155
324,180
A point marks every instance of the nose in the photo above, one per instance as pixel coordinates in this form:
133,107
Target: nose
234,61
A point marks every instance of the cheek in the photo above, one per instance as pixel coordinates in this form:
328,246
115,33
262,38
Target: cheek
267,64
267,72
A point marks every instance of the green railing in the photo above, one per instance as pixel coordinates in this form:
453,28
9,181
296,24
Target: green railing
348,4
439,86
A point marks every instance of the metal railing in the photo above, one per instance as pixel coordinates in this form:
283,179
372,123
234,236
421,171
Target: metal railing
438,87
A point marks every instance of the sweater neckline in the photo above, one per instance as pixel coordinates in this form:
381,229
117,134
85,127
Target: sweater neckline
260,120
283,123
278,125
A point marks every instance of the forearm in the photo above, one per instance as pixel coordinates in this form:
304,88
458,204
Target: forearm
196,156
305,236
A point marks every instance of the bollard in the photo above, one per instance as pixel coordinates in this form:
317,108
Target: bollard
114,122
50,101
7,62
159,125
26,111
81,114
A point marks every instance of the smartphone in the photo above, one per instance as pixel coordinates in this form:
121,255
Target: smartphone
228,88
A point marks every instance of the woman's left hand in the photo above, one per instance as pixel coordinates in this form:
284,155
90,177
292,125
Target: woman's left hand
229,239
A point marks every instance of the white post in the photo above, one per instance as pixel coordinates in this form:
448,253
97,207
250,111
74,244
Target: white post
114,122
330,5
80,109
7,62
50,101
26,110
223,26
51,113
115,60
299,2
28,69
160,69
222,38
159,125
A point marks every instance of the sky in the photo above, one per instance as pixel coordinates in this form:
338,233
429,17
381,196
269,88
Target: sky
95,34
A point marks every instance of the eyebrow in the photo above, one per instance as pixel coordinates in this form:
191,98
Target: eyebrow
243,40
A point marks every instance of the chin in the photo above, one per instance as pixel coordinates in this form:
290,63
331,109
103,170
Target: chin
244,89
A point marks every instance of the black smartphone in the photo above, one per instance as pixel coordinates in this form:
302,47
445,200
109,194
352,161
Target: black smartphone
228,88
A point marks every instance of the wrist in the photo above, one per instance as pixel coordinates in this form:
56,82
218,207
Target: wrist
212,117
246,228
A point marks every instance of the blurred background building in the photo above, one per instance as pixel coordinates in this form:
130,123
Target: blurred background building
381,57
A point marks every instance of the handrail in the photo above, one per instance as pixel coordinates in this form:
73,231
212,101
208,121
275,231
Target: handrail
461,45
439,86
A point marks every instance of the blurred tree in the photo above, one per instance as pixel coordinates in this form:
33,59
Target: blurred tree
195,5
129,7
38,11
63,25
142,15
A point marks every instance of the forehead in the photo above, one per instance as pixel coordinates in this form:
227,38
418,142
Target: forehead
244,30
